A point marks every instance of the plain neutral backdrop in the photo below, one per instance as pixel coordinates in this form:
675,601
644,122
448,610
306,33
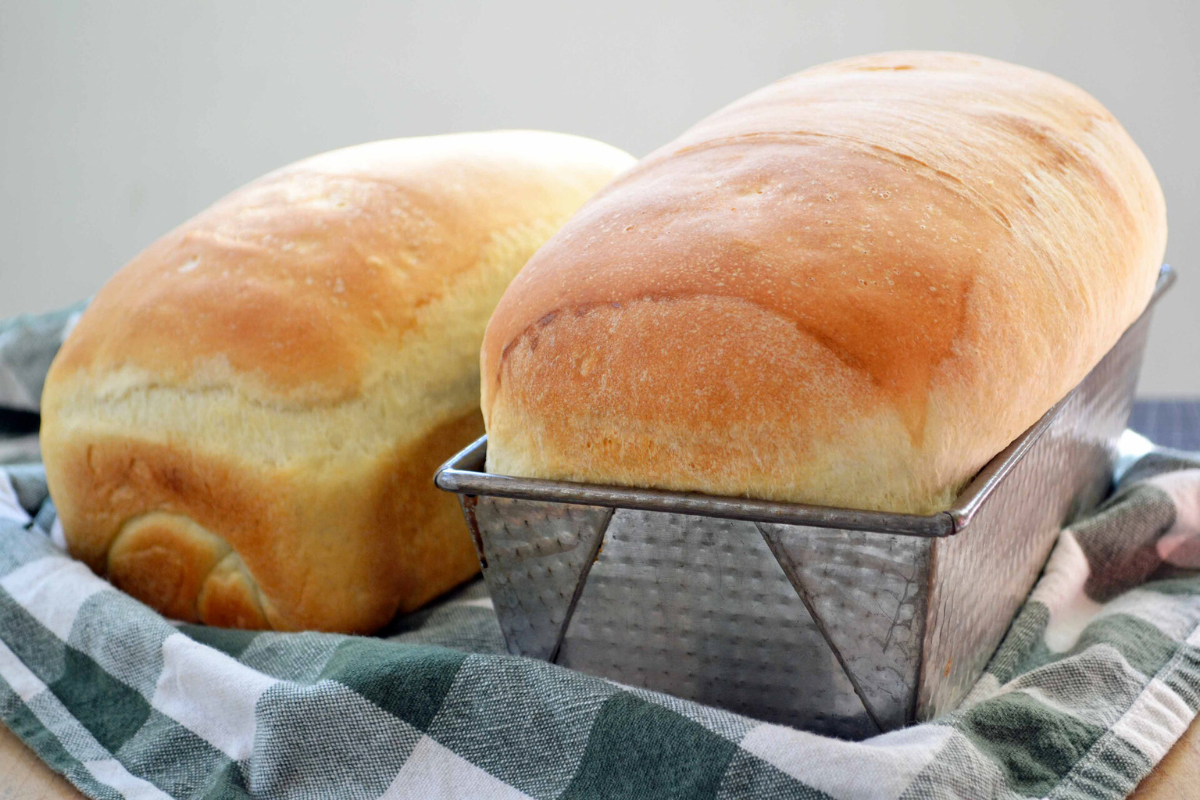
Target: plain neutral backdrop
120,120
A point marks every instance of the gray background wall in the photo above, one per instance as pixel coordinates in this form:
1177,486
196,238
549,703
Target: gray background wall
120,120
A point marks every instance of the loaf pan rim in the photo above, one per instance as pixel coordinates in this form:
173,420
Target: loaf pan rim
464,474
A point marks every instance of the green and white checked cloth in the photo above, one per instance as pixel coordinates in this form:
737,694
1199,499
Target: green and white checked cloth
1098,676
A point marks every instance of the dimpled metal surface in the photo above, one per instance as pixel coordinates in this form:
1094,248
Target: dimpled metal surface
866,593
785,612
699,608
534,556
982,574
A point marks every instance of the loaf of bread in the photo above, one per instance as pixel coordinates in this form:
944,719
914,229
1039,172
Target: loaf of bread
850,288
243,428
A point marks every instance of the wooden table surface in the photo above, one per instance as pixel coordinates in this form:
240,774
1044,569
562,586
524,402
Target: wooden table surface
24,776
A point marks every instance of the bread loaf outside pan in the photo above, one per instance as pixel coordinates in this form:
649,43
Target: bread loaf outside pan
241,429
850,288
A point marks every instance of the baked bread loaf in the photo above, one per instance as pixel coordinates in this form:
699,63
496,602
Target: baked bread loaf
243,428
850,288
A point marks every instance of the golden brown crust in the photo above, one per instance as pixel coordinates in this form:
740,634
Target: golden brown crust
243,426
852,287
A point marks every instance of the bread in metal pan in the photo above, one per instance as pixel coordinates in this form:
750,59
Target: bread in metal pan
243,426
850,288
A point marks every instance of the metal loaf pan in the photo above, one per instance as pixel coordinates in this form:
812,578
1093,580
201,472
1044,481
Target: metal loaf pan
839,621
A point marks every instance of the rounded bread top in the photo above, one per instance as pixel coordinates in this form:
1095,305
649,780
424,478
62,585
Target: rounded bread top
851,287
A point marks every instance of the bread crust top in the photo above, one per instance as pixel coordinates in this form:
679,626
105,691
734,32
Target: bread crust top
852,287
243,426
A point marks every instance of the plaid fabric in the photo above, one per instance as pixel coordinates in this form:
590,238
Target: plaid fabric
1098,676
27,346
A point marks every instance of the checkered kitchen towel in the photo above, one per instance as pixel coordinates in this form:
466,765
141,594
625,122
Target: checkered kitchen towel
1099,675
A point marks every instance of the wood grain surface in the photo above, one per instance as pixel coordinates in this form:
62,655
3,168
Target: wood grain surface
1177,777
23,776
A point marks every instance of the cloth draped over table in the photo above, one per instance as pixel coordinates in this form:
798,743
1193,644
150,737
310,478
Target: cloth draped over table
1096,679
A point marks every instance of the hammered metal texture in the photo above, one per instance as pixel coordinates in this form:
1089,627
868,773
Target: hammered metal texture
866,593
699,608
982,574
534,556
